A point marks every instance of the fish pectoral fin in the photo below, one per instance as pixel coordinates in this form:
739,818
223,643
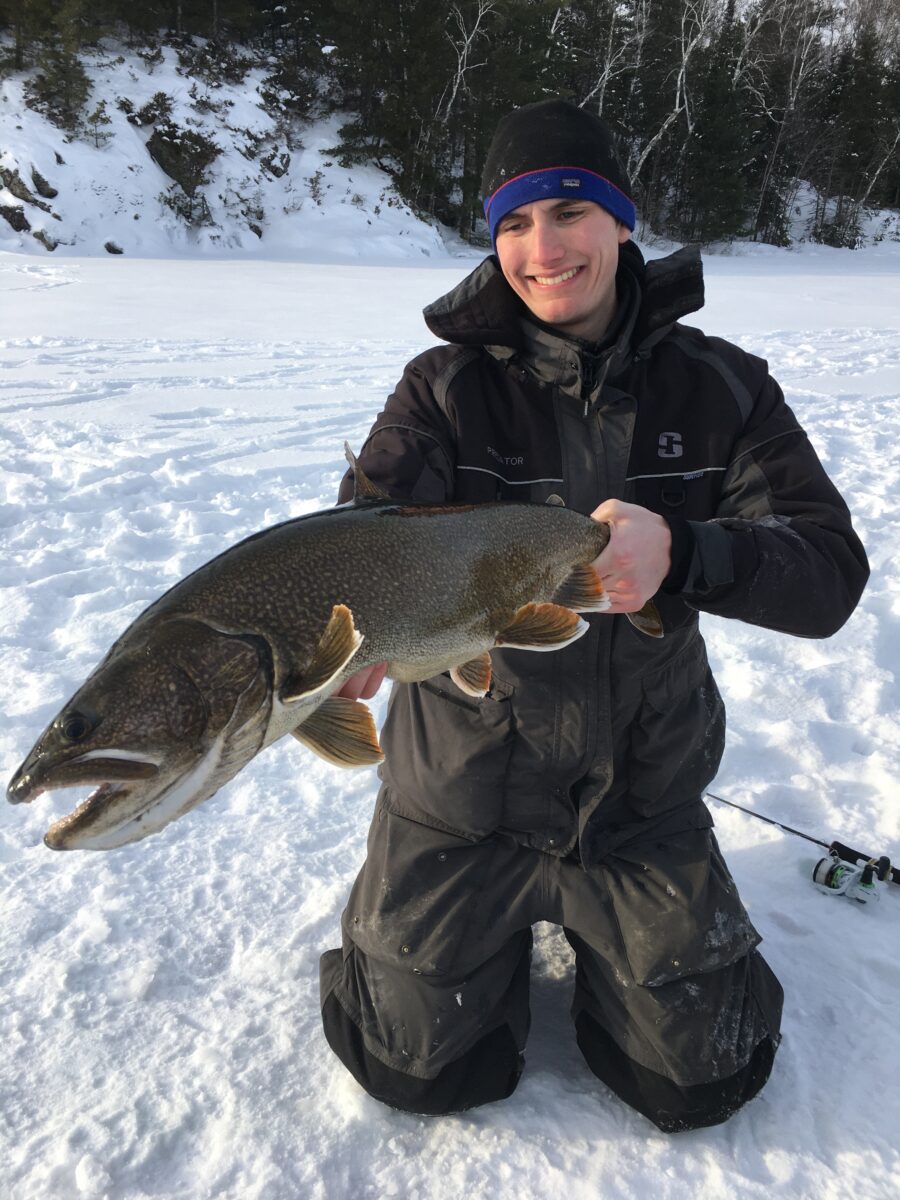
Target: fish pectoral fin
582,591
363,487
473,677
542,627
343,732
648,620
336,647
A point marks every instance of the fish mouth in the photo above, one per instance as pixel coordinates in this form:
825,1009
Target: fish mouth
115,780
57,835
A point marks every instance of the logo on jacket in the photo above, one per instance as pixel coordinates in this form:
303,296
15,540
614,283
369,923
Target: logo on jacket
515,460
670,445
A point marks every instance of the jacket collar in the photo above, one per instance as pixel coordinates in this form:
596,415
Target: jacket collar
483,310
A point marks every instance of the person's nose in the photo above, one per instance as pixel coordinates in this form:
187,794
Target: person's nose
547,246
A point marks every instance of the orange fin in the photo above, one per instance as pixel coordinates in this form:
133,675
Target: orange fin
336,647
648,620
473,677
542,627
582,591
343,732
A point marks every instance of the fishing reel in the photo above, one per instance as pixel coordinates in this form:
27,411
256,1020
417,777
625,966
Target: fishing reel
857,881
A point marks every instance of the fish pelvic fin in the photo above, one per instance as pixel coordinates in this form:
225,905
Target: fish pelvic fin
582,591
542,627
336,647
363,487
474,677
342,732
648,620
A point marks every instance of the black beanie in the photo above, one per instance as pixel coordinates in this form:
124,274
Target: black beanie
549,150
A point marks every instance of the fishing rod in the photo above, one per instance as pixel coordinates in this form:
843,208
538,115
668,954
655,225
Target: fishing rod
840,873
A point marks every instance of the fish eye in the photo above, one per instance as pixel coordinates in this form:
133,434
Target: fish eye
74,726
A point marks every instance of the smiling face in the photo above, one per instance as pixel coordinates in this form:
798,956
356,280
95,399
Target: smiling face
561,257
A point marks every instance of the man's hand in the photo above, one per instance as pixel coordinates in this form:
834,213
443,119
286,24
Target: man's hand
638,556
365,683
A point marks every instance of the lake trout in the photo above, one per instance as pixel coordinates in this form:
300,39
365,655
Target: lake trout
254,644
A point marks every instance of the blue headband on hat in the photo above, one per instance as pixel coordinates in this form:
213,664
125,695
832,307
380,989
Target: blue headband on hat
551,183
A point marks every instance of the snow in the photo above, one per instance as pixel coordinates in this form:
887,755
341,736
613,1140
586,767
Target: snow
111,192
160,1024
160,1027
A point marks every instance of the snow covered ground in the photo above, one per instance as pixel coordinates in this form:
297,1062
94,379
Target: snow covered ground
158,1004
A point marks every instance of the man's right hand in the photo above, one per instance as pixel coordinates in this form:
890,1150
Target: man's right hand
365,683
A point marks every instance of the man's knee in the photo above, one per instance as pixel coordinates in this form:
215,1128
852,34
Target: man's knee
672,1107
488,1071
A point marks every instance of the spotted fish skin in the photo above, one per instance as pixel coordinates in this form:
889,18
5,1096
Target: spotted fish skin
254,645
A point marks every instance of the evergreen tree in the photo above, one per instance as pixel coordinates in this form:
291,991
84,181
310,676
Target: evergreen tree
712,203
96,123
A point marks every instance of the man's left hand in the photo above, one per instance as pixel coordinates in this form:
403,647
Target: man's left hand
638,556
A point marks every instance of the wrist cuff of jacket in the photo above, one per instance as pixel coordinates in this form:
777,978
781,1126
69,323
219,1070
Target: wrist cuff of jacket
682,552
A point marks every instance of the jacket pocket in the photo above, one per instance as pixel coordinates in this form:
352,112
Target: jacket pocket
678,735
677,908
446,754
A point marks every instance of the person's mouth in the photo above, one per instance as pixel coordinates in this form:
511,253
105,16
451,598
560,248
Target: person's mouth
556,280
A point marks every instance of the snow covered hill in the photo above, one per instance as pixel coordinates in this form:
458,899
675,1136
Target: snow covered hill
273,191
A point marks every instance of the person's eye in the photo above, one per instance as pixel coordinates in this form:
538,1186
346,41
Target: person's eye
511,227
570,214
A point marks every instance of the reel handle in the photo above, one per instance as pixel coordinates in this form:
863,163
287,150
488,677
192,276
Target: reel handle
883,868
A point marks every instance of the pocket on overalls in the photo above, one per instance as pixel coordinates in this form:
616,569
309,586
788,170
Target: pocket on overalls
417,904
677,908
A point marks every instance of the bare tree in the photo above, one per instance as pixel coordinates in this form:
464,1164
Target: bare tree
614,62
463,44
802,28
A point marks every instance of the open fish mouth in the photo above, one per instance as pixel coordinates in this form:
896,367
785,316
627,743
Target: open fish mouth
57,835
117,795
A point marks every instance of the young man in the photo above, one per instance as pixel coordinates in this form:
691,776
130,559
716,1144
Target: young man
572,793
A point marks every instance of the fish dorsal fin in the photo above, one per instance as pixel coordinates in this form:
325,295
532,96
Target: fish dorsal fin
555,500
542,627
336,647
363,487
343,732
473,677
648,620
582,591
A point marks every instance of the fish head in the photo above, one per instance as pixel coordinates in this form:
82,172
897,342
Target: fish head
172,712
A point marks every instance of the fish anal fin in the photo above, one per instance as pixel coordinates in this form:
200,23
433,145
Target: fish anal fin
542,627
363,487
336,647
473,677
342,732
648,620
582,591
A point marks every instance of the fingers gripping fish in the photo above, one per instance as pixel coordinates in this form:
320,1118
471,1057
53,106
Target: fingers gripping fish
254,644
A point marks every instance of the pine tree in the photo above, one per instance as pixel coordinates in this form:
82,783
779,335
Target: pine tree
96,122
712,202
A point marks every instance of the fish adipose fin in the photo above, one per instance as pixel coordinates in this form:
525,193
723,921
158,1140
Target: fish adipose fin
582,591
648,620
363,487
343,732
474,677
542,627
336,647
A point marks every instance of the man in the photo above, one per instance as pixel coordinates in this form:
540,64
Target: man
572,793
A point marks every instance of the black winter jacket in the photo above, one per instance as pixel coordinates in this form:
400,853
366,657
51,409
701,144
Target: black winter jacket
574,752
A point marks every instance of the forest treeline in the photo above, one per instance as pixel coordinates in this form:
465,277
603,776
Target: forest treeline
723,109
